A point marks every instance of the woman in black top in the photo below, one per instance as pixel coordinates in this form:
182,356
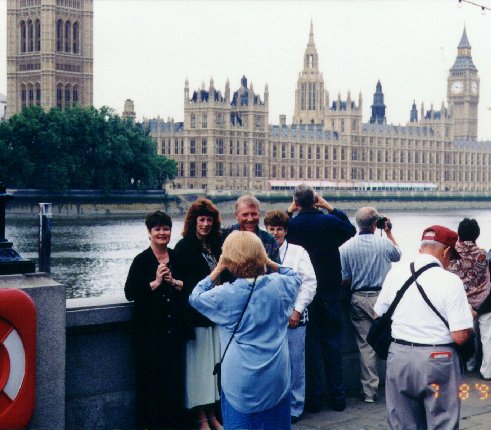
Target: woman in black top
197,254
159,305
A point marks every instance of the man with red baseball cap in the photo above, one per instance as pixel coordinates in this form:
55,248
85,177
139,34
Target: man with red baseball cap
423,371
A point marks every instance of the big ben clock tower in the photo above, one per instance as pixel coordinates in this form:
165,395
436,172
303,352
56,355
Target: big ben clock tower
463,92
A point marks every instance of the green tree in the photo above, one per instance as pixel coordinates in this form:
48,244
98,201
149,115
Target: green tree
79,148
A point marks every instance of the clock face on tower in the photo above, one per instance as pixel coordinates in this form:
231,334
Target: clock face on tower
474,87
457,87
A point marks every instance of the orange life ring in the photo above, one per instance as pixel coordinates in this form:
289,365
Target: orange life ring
17,358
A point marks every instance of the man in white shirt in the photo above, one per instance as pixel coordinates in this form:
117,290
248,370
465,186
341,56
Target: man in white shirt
298,259
423,372
365,261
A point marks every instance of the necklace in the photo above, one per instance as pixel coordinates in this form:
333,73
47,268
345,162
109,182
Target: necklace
284,255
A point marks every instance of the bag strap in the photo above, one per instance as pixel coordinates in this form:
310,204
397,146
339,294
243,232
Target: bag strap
427,300
218,365
407,284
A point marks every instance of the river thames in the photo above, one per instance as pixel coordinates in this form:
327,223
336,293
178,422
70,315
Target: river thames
92,255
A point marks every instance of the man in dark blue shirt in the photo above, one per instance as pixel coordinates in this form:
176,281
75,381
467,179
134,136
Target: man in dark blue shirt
321,235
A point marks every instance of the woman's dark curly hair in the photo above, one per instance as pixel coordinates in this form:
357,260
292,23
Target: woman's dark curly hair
203,207
156,218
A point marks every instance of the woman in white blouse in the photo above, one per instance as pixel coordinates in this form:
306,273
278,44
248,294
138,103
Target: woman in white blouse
297,258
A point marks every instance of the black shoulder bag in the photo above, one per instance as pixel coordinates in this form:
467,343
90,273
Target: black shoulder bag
217,370
468,348
380,334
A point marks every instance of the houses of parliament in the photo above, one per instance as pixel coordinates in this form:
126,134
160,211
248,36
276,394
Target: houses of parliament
226,143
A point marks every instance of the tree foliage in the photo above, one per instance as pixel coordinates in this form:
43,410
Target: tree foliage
79,148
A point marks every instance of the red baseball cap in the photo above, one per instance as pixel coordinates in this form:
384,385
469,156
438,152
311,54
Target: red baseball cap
440,234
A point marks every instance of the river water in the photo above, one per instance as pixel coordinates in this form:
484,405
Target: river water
92,255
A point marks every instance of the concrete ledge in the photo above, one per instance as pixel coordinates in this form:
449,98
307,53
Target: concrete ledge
95,311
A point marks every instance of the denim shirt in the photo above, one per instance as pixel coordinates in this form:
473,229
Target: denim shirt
256,369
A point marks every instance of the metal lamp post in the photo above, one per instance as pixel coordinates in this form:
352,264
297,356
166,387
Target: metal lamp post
10,260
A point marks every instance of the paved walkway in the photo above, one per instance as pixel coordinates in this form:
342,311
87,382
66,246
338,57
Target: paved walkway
475,413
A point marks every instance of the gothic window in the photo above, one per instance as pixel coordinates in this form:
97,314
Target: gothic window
283,172
334,154
303,96
59,35
334,173
38,94
193,121
300,155
300,172
309,153
76,37
273,170
353,154
326,153
37,35
292,172
244,170
258,170
23,37
317,172
245,148
75,94
274,154
219,146
192,146
258,147
204,146
204,121
68,94
23,93
342,125
219,168
343,154
292,151
68,36
59,96
192,169
318,152
30,92
231,147
283,150
176,146
30,36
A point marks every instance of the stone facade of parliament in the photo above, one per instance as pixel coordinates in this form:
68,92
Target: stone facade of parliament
49,53
225,142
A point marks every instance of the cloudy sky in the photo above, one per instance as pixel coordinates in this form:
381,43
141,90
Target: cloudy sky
144,50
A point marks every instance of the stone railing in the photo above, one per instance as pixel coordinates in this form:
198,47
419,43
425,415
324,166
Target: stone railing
85,374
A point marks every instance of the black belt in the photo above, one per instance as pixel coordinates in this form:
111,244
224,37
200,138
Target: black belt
368,288
404,342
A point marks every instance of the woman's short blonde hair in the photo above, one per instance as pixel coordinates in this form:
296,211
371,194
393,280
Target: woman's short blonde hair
244,255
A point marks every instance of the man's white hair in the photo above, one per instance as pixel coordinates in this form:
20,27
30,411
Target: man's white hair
432,244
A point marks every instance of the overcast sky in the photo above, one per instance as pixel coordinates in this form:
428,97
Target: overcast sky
145,50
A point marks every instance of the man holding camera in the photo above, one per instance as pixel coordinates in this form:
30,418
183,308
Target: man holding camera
321,234
365,261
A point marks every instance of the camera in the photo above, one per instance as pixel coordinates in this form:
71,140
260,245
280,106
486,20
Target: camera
381,223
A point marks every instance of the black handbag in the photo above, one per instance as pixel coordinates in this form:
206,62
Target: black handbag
380,334
217,370
468,348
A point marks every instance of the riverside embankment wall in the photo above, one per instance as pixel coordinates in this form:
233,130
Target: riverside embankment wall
85,374
91,202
